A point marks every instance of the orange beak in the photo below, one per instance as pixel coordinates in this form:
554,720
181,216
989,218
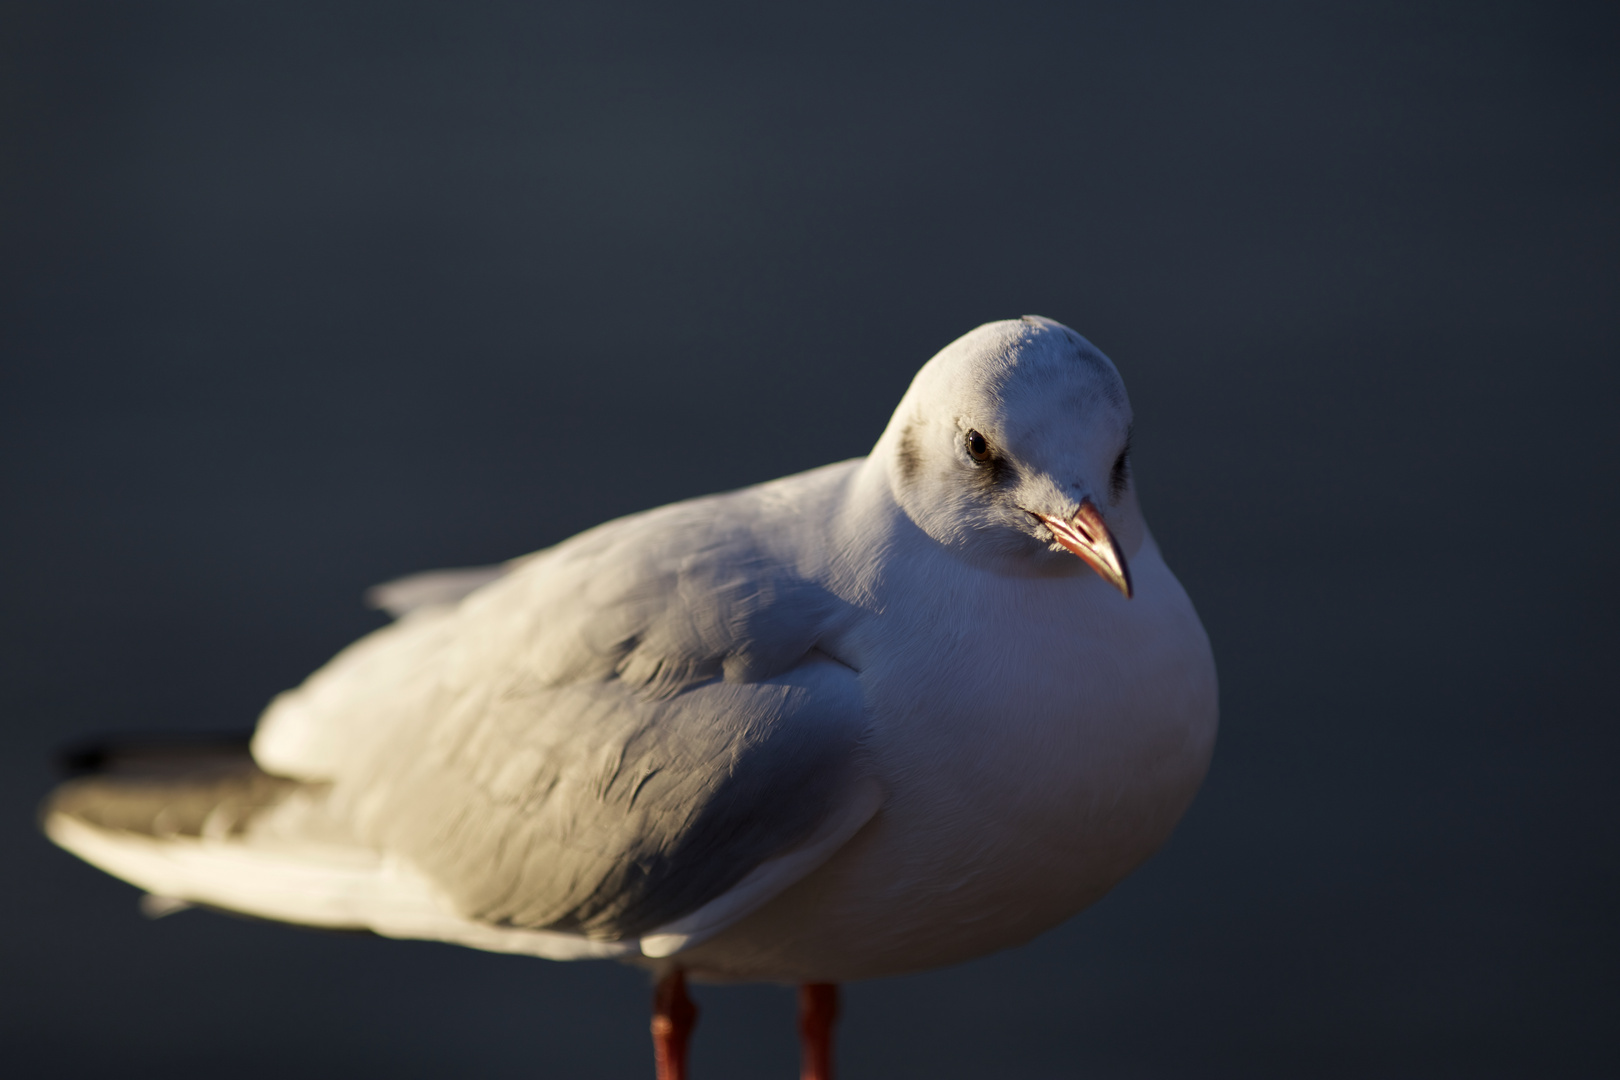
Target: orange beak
1087,536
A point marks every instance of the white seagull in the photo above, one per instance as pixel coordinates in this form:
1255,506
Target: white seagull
869,719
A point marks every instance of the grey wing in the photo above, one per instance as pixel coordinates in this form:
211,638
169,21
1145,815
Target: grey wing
614,737
611,820
404,595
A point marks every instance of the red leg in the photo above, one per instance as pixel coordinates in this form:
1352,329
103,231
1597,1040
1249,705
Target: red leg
674,1017
818,1009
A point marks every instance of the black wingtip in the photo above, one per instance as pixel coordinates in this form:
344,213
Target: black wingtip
148,753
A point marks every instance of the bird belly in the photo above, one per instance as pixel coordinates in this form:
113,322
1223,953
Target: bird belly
1007,811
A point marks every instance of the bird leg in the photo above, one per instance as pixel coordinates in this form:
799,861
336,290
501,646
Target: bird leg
674,1017
818,1009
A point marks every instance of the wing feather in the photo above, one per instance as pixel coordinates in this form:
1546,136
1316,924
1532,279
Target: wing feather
608,738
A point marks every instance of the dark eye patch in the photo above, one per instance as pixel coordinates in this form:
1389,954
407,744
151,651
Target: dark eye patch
1120,476
910,455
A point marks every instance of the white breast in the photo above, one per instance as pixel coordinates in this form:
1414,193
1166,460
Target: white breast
1024,780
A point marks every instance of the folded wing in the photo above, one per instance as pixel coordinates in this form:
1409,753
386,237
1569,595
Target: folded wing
635,734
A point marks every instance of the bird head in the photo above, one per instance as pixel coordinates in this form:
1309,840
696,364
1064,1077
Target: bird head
1012,447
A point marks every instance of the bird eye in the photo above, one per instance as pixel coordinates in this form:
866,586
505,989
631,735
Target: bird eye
978,449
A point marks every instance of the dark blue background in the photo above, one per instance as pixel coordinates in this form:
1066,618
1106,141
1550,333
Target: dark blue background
296,300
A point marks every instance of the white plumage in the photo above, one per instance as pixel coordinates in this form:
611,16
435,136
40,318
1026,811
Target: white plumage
865,720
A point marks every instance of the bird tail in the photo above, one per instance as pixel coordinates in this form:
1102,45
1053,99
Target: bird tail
198,822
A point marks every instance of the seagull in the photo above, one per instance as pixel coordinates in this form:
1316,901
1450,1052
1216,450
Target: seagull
875,718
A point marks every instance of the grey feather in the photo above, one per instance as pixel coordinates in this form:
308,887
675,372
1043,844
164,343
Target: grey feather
404,595
185,792
604,740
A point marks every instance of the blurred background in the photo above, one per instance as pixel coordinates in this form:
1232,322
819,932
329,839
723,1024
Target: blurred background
296,298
